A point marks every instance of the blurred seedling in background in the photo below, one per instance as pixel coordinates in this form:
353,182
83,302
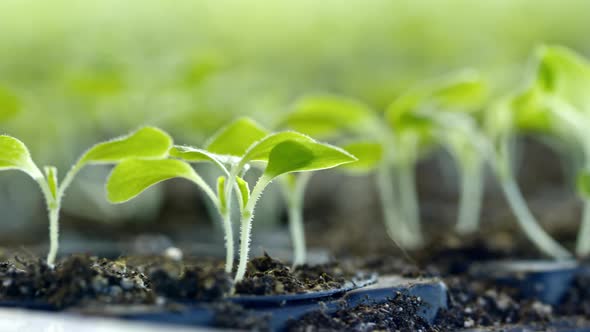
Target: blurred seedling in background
416,122
234,149
145,143
554,103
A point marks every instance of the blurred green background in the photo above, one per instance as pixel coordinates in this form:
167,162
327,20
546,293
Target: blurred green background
75,72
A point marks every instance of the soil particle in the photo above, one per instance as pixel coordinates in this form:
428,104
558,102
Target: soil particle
266,276
397,314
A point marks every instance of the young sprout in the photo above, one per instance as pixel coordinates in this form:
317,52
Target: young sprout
276,154
222,149
557,102
145,143
279,154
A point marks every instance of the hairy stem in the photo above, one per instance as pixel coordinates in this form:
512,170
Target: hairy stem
409,200
395,225
53,235
471,198
246,225
295,201
53,207
529,224
229,240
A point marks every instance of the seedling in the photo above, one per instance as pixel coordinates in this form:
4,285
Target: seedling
443,111
417,120
556,102
237,146
131,178
145,143
280,153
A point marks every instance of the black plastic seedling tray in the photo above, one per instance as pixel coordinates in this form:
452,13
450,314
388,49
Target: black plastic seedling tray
546,281
432,292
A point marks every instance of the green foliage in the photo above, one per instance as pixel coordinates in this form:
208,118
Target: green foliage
368,153
583,183
15,155
195,155
145,143
236,138
292,156
133,176
325,116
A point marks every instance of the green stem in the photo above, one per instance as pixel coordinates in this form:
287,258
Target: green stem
246,225
225,212
529,224
229,240
471,198
583,242
53,235
395,226
53,208
295,202
409,200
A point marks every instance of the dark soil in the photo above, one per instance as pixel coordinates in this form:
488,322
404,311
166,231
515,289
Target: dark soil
74,280
474,303
141,280
267,276
397,314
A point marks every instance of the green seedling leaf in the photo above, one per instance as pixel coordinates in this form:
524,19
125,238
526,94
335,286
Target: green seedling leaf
563,73
51,175
15,155
465,91
133,176
195,155
293,156
244,190
327,116
236,138
145,143
369,155
221,192
261,150
583,183
10,104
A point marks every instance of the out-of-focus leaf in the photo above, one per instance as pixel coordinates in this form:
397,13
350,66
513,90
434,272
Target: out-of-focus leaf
369,155
583,183
327,115
10,104
236,138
